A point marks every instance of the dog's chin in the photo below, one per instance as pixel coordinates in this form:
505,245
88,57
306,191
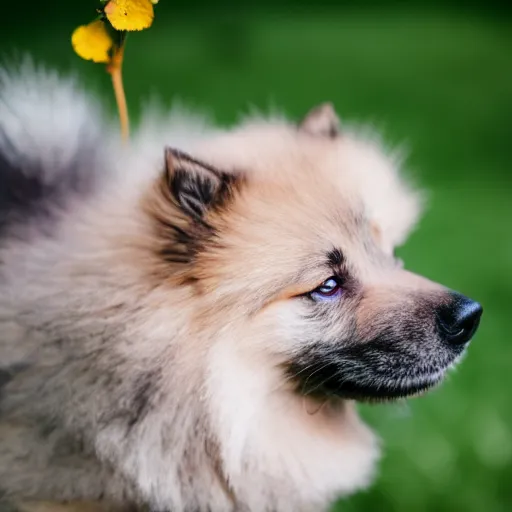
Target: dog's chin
374,389
384,392
364,381
378,390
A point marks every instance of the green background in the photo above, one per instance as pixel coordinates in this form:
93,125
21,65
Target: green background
436,77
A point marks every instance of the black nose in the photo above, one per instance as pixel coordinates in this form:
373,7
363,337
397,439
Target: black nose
459,319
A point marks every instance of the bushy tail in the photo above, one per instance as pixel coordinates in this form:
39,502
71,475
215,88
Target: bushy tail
50,142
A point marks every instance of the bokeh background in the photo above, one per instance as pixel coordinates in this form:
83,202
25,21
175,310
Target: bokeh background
436,76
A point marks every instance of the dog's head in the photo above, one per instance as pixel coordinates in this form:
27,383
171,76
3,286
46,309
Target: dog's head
286,238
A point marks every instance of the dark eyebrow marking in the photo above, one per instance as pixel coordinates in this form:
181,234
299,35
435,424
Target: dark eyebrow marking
335,258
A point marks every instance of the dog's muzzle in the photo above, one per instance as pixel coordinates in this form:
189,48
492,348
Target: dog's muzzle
405,356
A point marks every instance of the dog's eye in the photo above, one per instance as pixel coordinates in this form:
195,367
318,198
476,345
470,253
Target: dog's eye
329,289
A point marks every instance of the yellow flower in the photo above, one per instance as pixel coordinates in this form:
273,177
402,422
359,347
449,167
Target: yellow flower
92,42
130,14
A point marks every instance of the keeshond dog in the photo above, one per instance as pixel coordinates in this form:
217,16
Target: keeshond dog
187,320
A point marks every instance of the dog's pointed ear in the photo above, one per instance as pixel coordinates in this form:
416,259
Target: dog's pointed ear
195,186
321,121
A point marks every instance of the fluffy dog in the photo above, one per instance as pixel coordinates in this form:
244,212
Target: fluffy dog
186,321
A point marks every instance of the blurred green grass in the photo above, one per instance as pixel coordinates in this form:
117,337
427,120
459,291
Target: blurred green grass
441,82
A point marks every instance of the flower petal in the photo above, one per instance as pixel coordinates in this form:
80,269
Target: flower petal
130,14
92,42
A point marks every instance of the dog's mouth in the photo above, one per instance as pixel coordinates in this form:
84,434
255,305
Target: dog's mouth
330,380
377,391
380,392
381,369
